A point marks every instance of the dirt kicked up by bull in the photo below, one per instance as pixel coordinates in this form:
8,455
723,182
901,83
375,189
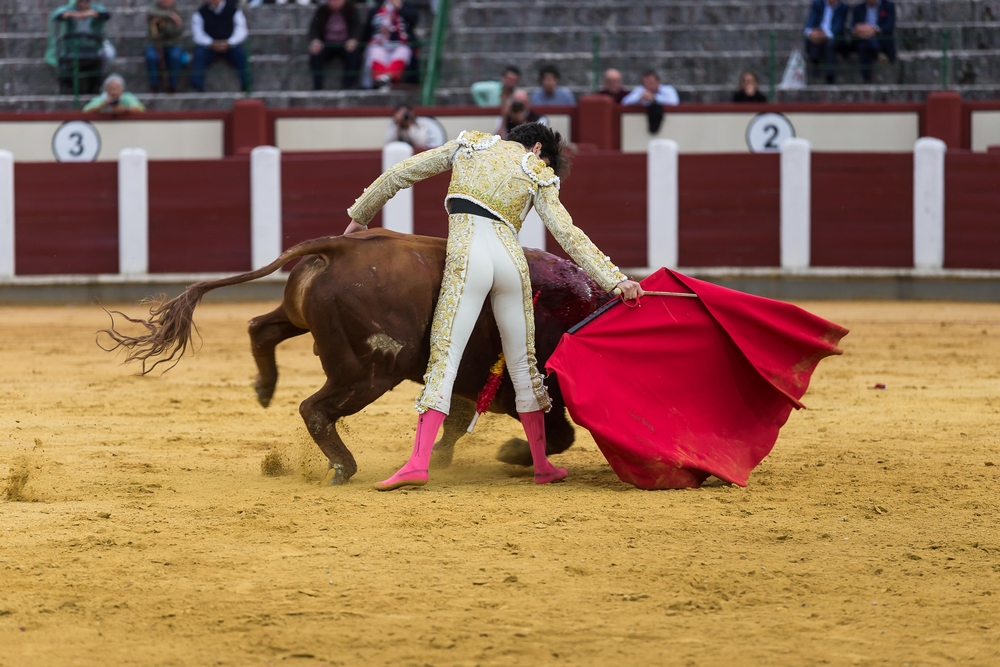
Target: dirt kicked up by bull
368,300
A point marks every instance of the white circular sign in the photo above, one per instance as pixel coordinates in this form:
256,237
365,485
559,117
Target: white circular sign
767,132
433,130
76,141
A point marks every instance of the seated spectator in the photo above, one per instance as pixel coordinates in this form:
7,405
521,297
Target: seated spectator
334,33
874,24
497,93
114,99
164,52
218,30
75,45
519,111
389,35
403,126
613,87
748,91
826,36
651,91
653,95
551,92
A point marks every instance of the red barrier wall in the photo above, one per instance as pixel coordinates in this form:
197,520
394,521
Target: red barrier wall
199,215
972,211
606,195
318,188
862,209
429,215
730,210
66,218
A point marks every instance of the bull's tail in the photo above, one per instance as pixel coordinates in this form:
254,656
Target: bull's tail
170,324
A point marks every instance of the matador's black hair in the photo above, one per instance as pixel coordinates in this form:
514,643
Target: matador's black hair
553,144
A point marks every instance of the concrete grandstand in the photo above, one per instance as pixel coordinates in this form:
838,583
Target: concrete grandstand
699,46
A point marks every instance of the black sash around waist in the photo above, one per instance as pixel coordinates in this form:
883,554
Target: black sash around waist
457,205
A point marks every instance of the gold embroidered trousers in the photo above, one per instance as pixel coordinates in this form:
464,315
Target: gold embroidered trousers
483,259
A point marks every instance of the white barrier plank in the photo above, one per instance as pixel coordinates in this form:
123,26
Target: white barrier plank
133,212
397,214
6,214
796,202
265,205
662,245
928,203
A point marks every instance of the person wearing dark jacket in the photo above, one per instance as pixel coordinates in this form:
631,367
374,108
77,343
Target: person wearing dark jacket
390,38
334,32
218,30
874,25
826,36
748,91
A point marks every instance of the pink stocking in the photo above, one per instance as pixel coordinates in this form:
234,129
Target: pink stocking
534,428
414,473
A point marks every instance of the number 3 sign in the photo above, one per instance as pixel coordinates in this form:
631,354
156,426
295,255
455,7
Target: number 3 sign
76,141
767,131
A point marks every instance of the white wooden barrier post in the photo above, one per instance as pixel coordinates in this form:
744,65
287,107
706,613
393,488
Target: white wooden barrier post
133,212
265,205
397,214
6,214
928,203
796,202
662,246
532,234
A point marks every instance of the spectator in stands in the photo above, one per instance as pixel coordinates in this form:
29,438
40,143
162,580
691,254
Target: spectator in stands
334,32
519,111
654,96
114,99
219,29
874,25
748,91
76,45
651,91
403,126
164,52
497,93
613,87
826,36
509,81
551,92
390,36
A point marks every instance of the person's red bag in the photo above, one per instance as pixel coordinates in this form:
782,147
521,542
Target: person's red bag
677,389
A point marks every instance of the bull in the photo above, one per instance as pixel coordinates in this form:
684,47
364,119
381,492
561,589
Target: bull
368,300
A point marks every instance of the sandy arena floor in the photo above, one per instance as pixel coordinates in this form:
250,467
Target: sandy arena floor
139,529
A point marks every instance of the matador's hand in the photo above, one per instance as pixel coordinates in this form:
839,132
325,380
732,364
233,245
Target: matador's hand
629,289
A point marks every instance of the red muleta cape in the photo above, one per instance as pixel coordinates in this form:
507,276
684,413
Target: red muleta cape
683,388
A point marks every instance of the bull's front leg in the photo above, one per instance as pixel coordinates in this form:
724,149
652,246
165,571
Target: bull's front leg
266,332
321,411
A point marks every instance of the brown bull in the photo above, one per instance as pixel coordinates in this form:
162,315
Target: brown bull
368,299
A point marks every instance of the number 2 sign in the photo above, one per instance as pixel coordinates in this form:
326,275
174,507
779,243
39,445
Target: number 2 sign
767,131
76,141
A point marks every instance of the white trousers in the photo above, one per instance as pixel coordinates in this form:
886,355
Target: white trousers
491,273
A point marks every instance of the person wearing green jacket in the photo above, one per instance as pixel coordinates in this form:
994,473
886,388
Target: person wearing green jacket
114,99
76,39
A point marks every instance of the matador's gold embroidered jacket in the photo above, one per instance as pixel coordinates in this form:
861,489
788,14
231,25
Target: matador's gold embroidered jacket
505,179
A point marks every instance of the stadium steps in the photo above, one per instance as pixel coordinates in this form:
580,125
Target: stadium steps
277,46
701,46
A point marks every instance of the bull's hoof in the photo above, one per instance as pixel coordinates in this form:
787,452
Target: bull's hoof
442,456
335,475
264,393
515,452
